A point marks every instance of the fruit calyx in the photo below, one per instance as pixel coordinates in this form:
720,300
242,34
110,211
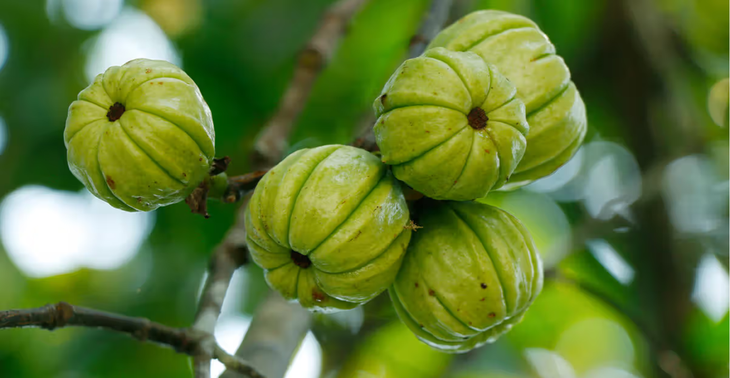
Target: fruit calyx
115,112
477,118
300,260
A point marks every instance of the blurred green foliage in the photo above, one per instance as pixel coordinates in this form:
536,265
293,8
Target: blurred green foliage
242,54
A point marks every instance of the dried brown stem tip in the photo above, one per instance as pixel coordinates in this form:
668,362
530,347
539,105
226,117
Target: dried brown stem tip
219,165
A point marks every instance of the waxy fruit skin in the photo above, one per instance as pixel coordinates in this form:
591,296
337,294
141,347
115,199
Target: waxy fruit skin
341,208
521,52
140,136
469,275
450,125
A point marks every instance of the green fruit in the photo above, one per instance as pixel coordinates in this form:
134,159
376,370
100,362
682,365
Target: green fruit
140,136
450,125
522,53
468,277
328,226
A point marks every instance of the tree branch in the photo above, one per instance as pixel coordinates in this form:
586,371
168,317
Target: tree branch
231,254
276,331
312,59
182,340
435,19
268,150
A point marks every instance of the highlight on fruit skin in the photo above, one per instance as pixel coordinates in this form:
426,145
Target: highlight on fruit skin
328,226
469,275
521,52
140,136
450,125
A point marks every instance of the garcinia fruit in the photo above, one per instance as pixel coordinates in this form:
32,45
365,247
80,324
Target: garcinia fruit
469,275
140,136
328,226
450,125
522,53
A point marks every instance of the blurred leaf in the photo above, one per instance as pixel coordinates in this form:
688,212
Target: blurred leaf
394,352
708,343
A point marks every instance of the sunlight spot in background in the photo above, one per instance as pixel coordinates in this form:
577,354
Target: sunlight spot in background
84,14
695,195
231,329
711,289
613,180
559,178
609,372
548,364
603,175
3,47
48,232
611,260
132,35
596,342
3,135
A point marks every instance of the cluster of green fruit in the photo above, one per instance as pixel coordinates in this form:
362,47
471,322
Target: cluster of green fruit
488,106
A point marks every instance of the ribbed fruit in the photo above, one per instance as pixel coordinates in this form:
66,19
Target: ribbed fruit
469,275
522,53
140,136
328,225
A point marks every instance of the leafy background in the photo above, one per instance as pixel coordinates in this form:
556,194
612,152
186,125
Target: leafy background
634,230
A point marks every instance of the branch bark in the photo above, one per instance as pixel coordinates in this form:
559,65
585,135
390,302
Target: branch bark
312,59
276,331
231,254
183,340
435,19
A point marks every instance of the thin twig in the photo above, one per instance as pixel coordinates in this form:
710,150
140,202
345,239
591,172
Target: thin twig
435,19
239,186
313,58
236,364
60,315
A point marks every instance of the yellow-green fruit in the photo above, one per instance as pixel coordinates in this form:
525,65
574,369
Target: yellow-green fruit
328,226
450,125
522,53
140,136
469,275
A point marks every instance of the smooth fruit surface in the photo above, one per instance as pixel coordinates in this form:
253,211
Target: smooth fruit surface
450,125
140,136
328,226
522,53
469,275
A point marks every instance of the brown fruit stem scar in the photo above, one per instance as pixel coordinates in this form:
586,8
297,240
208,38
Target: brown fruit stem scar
115,112
477,118
300,260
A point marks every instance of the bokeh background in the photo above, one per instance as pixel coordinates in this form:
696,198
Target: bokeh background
633,230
